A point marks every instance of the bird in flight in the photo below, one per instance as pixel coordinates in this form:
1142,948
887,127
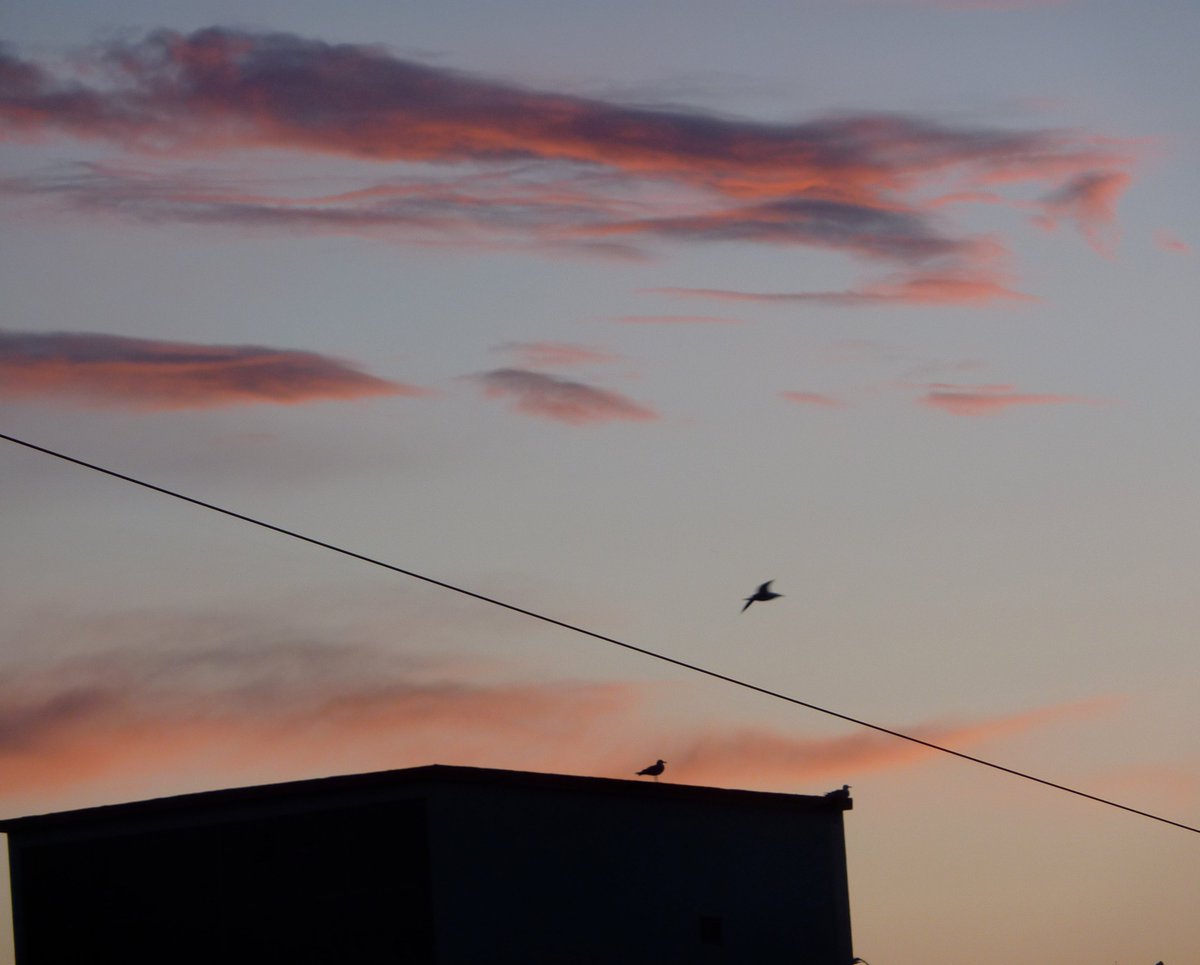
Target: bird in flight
654,769
762,594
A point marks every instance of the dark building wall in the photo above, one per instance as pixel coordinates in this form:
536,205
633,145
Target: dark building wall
561,876
319,886
458,866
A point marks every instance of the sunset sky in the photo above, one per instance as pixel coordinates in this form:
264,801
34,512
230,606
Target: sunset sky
613,311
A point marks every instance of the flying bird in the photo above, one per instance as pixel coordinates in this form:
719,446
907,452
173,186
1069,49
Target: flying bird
654,769
763,593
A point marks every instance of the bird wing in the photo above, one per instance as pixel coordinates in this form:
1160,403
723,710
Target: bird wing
746,606
766,587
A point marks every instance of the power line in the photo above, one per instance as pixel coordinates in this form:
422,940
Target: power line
598,636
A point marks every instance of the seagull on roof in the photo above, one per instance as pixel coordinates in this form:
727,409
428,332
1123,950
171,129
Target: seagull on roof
762,594
654,769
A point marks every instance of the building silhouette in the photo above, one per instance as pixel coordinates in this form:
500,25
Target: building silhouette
446,865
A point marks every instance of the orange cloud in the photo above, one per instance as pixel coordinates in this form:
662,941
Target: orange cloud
987,399
946,288
812,398
966,197
226,705
212,699
560,400
771,759
135,373
130,728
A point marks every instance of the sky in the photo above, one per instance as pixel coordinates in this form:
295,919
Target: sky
612,312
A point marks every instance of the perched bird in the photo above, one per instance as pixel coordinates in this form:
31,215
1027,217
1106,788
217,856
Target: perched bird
763,593
843,791
654,769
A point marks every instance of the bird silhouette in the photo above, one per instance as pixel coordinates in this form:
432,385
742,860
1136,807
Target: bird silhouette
762,594
843,791
654,769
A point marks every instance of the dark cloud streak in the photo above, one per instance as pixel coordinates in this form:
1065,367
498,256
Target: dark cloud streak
136,373
561,400
217,87
854,183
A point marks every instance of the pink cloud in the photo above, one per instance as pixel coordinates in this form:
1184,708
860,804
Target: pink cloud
877,231
987,399
966,197
1090,200
1167,241
558,172
135,373
237,708
812,398
946,288
501,209
555,354
560,400
217,89
284,709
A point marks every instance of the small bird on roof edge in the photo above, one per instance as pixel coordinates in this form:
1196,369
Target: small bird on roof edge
843,791
762,594
654,769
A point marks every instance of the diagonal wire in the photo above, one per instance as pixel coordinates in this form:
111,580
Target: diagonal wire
745,685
